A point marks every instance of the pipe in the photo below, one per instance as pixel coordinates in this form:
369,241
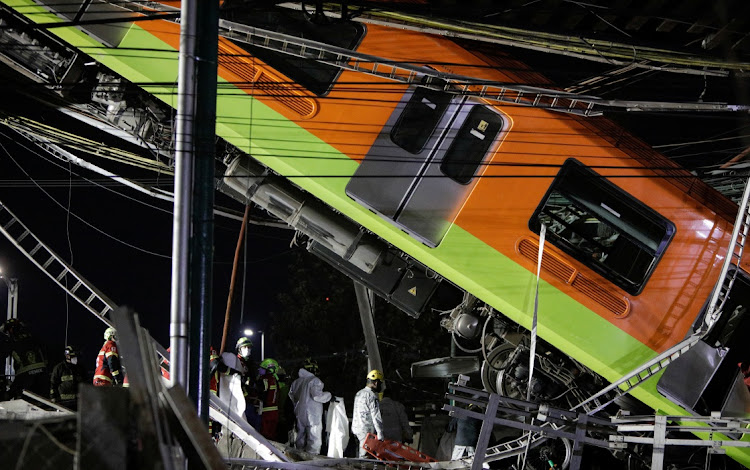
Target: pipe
247,181
183,182
368,326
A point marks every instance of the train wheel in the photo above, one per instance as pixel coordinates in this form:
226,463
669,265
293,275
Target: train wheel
493,377
553,453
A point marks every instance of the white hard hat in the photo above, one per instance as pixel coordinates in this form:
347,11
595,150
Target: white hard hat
110,333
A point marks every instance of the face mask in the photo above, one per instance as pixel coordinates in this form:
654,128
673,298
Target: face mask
245,352
74,360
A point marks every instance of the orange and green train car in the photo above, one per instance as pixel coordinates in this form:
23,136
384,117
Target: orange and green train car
634,244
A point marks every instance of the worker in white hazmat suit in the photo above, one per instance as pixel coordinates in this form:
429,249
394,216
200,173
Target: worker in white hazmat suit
366,417
307,396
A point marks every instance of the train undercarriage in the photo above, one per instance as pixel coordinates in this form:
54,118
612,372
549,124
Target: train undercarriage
86,91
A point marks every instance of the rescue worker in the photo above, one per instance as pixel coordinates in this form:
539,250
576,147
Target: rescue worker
29,363
236,381
395,422
164,366
285,415
366,417
249,387
65,378
213,370
268,383
108,370
236,363
307,396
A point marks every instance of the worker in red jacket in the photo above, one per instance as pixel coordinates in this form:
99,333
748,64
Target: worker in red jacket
108,370
269,418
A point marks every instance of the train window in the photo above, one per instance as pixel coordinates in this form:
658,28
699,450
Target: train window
315,76
470,145
603,226
419,119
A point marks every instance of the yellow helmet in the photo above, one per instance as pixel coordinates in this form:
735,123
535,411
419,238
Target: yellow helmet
375,375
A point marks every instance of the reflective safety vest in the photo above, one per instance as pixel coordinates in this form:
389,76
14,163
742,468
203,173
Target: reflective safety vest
27,355
64,381
108,364
213,370
270,399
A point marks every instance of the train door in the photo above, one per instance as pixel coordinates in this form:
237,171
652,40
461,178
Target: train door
426,160
404,146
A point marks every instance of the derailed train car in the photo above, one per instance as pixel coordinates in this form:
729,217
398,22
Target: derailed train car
463,185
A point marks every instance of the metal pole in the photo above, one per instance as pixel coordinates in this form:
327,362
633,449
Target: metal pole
202,248
262,345
12,285
183,188
368,326
486,431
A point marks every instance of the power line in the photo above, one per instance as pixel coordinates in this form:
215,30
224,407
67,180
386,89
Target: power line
80,219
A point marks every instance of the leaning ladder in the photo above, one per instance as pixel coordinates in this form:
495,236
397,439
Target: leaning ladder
54,266
719,297
554,100
102,307
523,95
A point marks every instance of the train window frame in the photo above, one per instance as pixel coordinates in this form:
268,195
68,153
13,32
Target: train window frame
295,24
410,111
462,169
624,226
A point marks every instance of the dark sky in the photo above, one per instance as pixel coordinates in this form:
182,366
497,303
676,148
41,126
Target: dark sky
123,248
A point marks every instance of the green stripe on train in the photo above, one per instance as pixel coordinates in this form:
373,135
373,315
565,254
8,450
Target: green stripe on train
295,153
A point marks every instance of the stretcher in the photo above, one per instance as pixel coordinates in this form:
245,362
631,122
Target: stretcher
393,451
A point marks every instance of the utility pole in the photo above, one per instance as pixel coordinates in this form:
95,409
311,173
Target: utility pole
192,247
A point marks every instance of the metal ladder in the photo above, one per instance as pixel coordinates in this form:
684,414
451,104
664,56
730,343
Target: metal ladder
102,307
54,266
715,307
554,100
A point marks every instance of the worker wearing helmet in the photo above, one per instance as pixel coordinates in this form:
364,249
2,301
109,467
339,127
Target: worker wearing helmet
108,370
247,369
29,363
307,396
366,417
244,349
311,366
268,383
65,379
